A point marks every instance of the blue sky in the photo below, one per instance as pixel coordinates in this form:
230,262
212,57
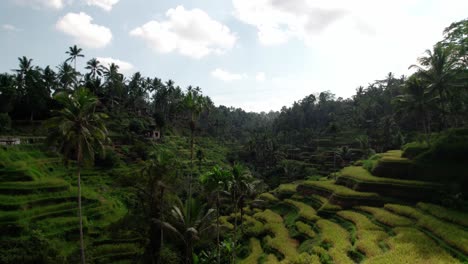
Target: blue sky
256,54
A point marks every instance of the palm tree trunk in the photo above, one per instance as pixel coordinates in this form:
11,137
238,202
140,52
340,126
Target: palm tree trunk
217,227
235,233
80,215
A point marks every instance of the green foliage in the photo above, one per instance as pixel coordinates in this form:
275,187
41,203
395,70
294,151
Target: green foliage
413,149
305,211
412,246
5,122
338,238
450,233
386,217
453,216
338,190
255,252
305,229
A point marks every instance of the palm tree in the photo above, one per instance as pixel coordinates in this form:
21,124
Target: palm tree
189,221
216,181
67,76
95,68
25,68
418,100
74,53
152,195
78,130
242,184
439,69
195,103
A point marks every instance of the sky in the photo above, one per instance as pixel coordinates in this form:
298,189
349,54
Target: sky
259,55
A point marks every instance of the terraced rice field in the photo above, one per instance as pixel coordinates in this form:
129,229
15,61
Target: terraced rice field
38,198
315,227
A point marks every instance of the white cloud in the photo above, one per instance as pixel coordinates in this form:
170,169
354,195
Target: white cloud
191,33
9,27
104,4
124,66
227,76
81,28
260,77
40,4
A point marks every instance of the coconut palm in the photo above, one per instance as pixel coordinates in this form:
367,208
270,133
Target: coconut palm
78,131
74,53
418,100
189,221
195,103
67,77
439,70
95,68
216,182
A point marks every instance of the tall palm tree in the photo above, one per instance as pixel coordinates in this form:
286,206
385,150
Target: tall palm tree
67,76
417,99
24,69
216,181
74,52
195,103
240,186
189,221
439,69
95,68
78,131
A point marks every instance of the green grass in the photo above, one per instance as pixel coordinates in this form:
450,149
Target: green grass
368,241
362,175
287,188
413,149
252,226
305,211
335,235
386,217
411,246
268,216
305,229
453,216
360,220
33,186
255,252
449,233
268,197
339,190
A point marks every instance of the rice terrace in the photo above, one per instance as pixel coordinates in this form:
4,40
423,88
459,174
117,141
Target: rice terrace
233,132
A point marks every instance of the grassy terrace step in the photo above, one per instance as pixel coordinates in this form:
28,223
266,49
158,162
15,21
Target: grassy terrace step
392,165
385,217
453,216
450,233
305,211
107,253
360,179
268,197
255,252
338,194
369,235
18,202
322,204
60,225
280,239
411,246
338,239
305,229
51,185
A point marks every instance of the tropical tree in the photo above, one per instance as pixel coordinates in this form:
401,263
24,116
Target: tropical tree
95,68
151,195
195,103
74,52
216,182
417,100
439,70
189,221
67,77
78,131
241,185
